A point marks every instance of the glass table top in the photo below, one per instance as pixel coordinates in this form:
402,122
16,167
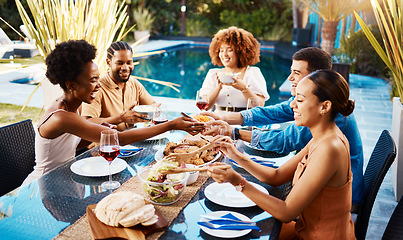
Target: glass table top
45,207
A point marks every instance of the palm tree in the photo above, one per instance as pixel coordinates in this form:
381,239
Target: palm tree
300,14
332,12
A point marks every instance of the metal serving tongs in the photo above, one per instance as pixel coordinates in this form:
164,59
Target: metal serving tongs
181,157
181,170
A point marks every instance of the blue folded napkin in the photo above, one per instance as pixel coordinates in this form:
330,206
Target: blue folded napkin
229,226
130,150
264,163
226,224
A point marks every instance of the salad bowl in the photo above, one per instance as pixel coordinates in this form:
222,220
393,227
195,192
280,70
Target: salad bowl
162,189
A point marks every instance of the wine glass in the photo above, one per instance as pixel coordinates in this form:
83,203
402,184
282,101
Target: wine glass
202,100
109,148
252,102
160,115
225,131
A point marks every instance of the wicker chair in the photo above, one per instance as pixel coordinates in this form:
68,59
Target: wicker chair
276,229
17,158
379,163
394,229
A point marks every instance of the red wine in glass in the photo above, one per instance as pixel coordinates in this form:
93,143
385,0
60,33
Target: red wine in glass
202,105
159,120
109,150
202,100
110,153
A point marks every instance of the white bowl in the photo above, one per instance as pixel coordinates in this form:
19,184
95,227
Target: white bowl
145,109
192,175
226,77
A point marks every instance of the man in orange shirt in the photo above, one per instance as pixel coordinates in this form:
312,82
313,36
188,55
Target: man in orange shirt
119,93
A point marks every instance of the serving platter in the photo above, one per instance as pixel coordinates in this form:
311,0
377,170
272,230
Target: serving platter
159,155
100,230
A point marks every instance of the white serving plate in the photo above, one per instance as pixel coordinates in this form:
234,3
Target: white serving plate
160,154
97,166
225,194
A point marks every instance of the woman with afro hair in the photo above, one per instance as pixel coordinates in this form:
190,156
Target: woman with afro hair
61,128
236,50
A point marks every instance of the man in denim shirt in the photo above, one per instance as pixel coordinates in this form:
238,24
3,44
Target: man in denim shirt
295,137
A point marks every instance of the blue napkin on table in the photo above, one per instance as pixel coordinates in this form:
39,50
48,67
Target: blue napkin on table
129,151
224,224
261,162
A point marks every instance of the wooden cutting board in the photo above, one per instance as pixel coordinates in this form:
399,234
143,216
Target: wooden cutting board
99,230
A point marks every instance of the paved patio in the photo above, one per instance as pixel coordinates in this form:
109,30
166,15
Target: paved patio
373,113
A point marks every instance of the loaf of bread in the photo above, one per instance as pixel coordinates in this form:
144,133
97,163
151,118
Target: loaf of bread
125,209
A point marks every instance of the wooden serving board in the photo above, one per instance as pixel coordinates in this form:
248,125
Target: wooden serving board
99,230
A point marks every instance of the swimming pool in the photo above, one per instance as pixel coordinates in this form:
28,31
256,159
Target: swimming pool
188,65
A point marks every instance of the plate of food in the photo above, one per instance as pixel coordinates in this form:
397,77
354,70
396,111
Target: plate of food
188,144
97,166
203,118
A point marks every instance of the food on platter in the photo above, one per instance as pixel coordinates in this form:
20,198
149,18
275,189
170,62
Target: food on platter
162,189
203,118
189,144
125,209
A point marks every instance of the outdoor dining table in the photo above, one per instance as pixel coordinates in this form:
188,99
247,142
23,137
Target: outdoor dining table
50,207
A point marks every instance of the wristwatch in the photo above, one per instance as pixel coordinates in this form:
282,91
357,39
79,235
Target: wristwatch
241,185
235,133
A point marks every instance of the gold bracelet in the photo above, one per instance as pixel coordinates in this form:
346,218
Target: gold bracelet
244,90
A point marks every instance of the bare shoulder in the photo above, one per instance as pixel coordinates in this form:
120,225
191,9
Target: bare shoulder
331,147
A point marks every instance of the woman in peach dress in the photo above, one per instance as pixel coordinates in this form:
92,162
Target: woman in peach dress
320,173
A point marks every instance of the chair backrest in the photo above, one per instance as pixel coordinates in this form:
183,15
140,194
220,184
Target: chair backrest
17,154
277,225
394,229
379,163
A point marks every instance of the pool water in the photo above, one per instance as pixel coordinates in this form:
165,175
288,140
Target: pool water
188,66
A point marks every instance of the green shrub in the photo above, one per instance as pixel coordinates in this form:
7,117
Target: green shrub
364,59
197,27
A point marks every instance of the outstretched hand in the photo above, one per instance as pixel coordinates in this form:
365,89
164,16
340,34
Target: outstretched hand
213,128
187,124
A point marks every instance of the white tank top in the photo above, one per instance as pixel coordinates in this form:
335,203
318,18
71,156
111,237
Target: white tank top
51,153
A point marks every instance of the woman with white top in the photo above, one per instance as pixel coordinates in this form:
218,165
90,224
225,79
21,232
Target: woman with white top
237,50
61,128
